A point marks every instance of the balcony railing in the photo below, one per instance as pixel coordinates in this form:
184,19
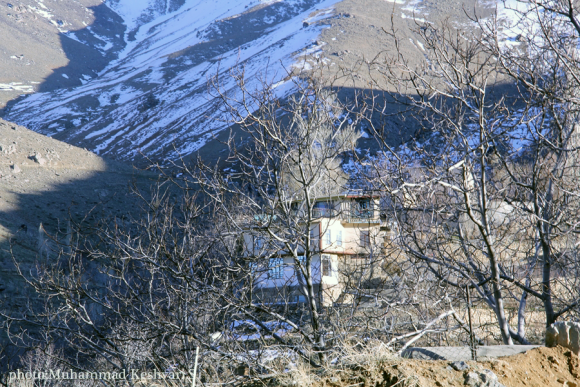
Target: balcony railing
324,213
346,212
348,215
363,216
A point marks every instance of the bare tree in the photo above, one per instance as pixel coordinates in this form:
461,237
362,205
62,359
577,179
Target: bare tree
289,180
144,293
545,67
482,195
292,160
190,272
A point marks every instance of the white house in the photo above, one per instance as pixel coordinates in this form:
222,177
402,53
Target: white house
344,229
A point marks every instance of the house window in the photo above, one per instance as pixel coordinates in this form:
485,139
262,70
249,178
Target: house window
328,237
302,260
323,209
301,270
365,239
254,267
339,238
327,266
364,209
276,268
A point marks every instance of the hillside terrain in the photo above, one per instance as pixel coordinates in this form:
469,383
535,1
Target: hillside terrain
45,181
49,44
153,99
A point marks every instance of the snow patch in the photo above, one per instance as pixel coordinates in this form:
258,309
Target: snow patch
130,10
16,86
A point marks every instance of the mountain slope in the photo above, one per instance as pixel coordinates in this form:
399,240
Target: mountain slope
45,186
154,99
51,44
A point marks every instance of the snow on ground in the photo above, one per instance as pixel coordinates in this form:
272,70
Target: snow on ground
154,97
413,9
16,86
277,327
516,19
130,10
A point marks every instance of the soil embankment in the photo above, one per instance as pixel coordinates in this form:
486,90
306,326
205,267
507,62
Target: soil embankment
542,366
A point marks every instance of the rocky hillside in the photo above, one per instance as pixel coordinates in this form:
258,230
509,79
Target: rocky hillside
153,99
48,44
48,182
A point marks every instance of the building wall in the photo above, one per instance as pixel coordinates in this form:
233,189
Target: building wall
288,268
286,288
352,242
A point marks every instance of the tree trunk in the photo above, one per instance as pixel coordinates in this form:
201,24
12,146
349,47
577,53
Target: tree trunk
499,308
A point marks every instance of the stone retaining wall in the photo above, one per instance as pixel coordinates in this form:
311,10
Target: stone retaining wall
564,333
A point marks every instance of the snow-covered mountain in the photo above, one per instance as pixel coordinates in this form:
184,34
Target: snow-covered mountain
153,99
148,93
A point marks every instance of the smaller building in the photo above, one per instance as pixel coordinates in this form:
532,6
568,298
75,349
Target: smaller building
340,235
